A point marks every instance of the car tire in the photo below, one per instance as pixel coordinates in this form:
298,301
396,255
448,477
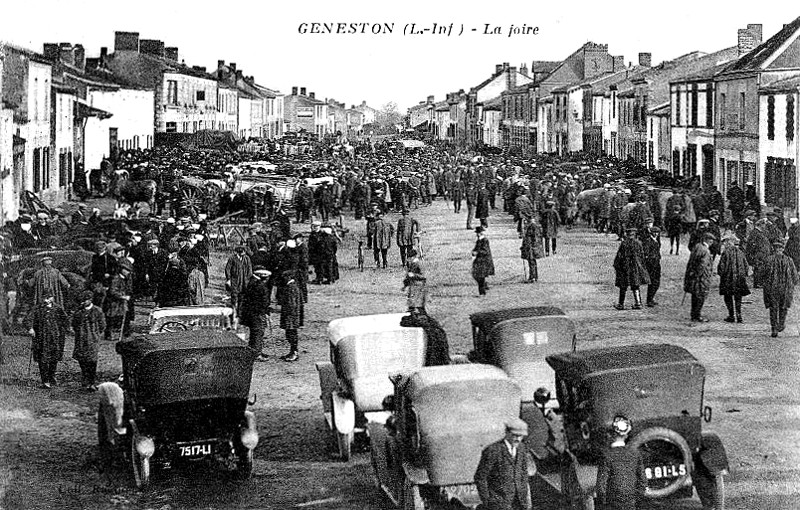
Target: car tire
669,436
345,443
711,490
411,499
103,444
141,467
244,464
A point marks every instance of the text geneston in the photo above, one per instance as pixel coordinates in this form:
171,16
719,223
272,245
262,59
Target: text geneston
346,28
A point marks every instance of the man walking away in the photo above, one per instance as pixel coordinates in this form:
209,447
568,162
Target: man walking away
255,308
89,325
697,279
482,261
237,273
292,312
651,247
780,278
732,271
531,248
550,222
407,227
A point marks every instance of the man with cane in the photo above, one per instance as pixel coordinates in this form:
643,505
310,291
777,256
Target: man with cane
48,325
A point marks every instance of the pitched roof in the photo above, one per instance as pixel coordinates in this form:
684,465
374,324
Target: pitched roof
662,109
784,85
756,58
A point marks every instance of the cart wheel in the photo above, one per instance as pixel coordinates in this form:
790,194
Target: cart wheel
345,444
173,327
141,467
411,499
190,200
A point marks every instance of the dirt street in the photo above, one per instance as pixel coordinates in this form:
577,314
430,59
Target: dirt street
49,454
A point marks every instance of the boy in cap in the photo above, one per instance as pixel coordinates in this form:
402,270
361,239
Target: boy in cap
89,325
502,474
621,478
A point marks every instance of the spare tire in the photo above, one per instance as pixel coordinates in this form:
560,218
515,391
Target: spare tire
667,460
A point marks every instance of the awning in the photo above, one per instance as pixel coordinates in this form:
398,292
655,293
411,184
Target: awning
422,126
84,110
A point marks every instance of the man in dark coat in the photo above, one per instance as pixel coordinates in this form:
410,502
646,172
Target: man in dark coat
697,279
651,248
155,264
482,261
780,278
502,474
301,256
437,350
523,209
48,325
292,312
238,270
174,285
102,270
621,476
382,233
732,271
793,244
736,202
119,307
531,248
255,308
550,222
482,205
758,250
407,228
89,325
315,249
630,269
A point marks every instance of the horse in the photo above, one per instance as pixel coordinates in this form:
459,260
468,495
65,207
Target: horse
132,192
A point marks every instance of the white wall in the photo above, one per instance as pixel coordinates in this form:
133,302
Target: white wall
245,117
132,115
9,196
36,131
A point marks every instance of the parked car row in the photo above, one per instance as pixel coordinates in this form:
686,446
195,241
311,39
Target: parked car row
185,389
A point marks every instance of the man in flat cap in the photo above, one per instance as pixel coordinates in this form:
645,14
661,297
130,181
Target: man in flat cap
48,325
89,325
49,280
697,279
779,280
119,300
651,248
502,474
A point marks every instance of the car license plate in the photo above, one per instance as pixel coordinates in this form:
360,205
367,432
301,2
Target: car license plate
666,471
195,450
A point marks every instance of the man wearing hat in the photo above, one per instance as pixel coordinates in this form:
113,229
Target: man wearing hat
502,474
79,216
49,281
757,249
630,270
255,308
382,233
48,325
550,222
119,300
407,227
621,476
482,261
732,271
697,278
651,248
89,325
779,279
41,230
292,311
238,270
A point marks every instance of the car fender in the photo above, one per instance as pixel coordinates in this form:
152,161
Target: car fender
250,421
415,474
111,401
344,413
712,454
328,383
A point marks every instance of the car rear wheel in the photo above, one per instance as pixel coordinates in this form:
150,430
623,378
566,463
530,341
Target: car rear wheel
711,490
667,459
141,467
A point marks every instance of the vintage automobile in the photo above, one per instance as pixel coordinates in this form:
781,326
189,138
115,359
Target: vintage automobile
659,388
182,399
519,339
363,351
442,418
172,319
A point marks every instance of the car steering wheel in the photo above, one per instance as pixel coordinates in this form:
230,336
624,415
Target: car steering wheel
173,327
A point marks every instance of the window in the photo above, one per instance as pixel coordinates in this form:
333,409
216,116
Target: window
676,162
694,104
37,170
46,167
62,170
780,182
771,117
723,101
194,127
651,128
741,111
172,92
171,127
650,148
614,105
185,127
201,95
678,108
691,158
709,105
36,100
790,117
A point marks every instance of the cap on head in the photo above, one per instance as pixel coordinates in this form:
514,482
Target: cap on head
87,295
479,230
47,258
517,427
541,396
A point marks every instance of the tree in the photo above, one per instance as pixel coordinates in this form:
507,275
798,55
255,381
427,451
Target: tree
388,117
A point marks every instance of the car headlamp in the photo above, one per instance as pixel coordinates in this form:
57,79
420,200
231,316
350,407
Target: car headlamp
145,446
249,439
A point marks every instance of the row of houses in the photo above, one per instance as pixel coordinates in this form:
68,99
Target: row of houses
61,111
724,116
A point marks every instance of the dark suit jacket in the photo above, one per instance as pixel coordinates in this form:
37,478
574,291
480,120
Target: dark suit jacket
501,480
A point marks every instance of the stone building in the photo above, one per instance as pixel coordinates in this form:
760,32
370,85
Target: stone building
305,112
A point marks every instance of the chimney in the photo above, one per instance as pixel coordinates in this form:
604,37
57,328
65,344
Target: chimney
232,65
50,51
126,41
220,63
80,57
645,59
511,77
151,47
756,29
618,63
302,91
66,53
311,95
294,91
523,69
430,100
171,53
749,38
201,69
238,74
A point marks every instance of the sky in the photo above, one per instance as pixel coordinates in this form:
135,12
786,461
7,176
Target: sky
264,37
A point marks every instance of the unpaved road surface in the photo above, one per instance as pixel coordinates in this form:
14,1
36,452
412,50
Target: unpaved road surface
49,454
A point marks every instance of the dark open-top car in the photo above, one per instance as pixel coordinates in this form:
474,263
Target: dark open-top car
659,388
182,399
